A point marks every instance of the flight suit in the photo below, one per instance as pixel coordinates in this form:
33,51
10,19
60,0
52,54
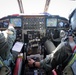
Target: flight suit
58,59
6,42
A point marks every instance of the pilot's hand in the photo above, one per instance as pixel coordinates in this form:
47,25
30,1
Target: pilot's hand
30,62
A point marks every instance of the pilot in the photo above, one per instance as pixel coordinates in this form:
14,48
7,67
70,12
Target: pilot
55,60
7,38
59,58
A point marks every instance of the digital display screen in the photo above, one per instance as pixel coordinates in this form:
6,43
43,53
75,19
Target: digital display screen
16,21
5,24
51,22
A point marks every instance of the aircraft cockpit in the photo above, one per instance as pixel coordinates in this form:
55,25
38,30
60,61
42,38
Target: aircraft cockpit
33,31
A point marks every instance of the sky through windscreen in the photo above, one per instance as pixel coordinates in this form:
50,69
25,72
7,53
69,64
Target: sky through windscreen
56,7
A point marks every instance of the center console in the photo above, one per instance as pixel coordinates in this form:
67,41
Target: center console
34,51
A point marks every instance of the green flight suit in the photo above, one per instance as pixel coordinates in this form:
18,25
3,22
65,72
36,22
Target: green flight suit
7,43
61,54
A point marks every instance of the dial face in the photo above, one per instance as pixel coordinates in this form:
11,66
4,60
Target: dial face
60,24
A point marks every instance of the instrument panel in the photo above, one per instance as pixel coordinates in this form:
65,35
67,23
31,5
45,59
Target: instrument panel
43,24
63,23
33,22
57,22
54,24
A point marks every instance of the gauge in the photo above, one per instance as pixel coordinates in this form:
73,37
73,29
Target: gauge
66,25
60,24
